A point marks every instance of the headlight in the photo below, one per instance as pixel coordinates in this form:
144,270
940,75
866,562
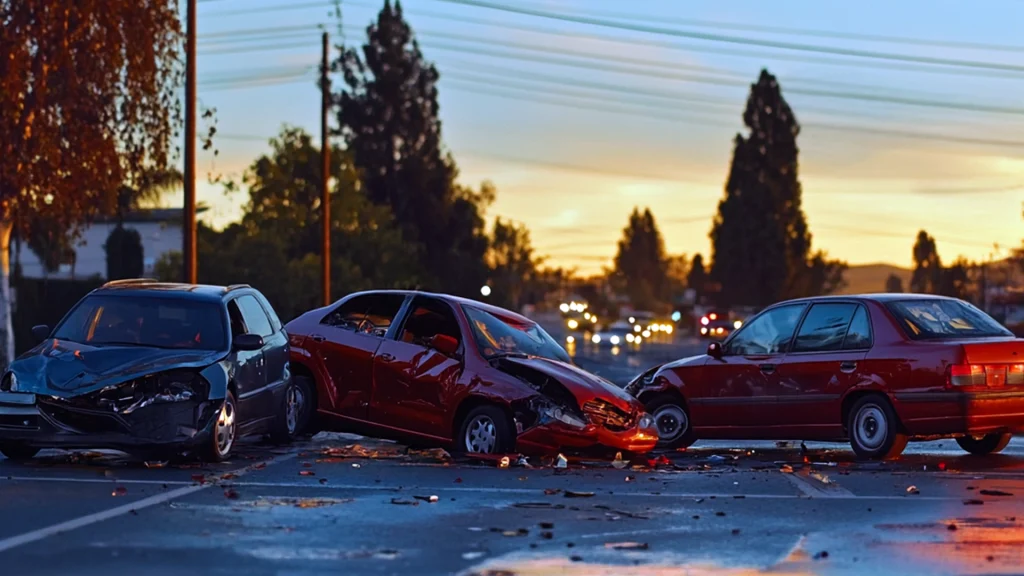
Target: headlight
647,421
556,413
9,382
614,340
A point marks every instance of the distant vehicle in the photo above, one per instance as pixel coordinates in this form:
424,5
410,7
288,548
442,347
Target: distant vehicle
718,325
445,370
878,370
151,367
618,333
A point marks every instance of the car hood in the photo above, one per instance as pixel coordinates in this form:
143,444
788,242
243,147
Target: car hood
66,369
580,383
698,360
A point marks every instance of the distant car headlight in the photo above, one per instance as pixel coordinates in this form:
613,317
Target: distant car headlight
596,339
614,340
556,413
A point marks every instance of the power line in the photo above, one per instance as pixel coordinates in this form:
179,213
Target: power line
722,38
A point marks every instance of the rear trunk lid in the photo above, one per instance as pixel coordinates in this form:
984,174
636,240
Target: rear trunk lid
989,362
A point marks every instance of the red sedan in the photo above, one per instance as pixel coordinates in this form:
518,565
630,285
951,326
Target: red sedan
460,373
878,370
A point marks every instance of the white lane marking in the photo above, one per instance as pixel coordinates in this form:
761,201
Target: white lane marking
88,519
791,554
639,532
816,489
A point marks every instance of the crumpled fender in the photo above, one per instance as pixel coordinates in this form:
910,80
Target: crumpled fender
218,375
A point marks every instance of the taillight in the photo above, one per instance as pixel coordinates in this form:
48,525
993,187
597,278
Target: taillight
1015,374
967,375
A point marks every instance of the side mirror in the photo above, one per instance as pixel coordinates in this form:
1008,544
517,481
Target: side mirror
40,332
444,344
715,350
248,342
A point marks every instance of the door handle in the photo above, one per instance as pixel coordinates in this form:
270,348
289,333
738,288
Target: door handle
318,338
847,367
767,368
386,357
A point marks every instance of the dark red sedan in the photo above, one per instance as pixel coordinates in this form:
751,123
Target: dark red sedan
878,370
459,373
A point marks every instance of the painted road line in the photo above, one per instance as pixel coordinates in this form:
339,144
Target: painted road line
89,519
814,487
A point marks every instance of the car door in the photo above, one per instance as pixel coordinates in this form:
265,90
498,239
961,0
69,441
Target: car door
412,380
275,350
736,392
250,374
346,340
832,341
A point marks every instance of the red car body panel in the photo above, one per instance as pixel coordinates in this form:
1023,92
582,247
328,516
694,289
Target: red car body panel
806,394
406,390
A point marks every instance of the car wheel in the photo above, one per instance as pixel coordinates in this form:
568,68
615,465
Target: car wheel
988,444
293,416
485,430
673,421
18,453
225,431
874,429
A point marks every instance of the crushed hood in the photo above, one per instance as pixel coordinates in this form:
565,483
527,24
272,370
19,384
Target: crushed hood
582,384
698,360
67,369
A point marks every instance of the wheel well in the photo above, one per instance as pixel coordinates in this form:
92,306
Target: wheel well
471,402
300,369
671,392
233,388
852,399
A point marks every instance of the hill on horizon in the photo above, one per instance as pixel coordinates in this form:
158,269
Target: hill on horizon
870,278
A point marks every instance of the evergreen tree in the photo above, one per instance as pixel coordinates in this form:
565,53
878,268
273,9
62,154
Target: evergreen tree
640,264
389,120
893,284
697,278
927,276
125,258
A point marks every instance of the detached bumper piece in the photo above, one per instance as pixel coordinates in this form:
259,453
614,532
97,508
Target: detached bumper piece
606,427
155,411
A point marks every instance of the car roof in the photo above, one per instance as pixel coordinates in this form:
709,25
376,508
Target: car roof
881,297
150,287
496,310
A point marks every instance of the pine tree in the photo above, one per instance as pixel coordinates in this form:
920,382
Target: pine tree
697,278
893,284
927,276
640,264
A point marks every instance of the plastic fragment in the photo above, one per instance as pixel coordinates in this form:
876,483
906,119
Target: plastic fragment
561,462
504,462
432,499
627,545
619,463
571,494
913,490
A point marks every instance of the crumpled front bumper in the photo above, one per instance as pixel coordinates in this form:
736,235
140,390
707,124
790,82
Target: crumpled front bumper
555,436
46,422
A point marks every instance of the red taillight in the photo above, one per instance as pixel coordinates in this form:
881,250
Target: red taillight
1015,374
986,374
967,375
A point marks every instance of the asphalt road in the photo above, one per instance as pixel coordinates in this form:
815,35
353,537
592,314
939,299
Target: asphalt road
324,507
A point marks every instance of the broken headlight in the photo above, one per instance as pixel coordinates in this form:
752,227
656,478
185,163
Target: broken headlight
647,421
9,383
557,413
162,388
642,381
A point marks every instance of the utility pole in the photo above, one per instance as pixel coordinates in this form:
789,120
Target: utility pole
189,225
325,173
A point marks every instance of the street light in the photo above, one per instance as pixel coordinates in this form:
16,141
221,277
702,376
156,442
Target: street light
485,290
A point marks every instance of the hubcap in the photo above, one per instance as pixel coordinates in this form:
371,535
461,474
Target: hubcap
294,403
481,435
226,427
871,427
671,421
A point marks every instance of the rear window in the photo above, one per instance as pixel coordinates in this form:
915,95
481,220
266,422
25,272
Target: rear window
156,322
934,319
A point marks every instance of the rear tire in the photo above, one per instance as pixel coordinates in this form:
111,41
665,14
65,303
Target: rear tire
485,430
221,442
673,421
294,413
874,429
988,444
18,453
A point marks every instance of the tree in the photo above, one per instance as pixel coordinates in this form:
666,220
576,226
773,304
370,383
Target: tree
150,187
388,117
893,284
88,101
513,265
927,275
125,258
677,270
697,277
956,279
640,263
51,243
760,239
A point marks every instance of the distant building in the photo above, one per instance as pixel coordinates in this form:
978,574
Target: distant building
159,229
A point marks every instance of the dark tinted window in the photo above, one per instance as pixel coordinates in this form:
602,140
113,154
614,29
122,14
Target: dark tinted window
858,336
936,319
824,327
370,313
428,318
275,322
769,333
255,318
145,321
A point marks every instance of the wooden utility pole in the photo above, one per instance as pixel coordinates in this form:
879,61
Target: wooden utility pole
189,225
325,174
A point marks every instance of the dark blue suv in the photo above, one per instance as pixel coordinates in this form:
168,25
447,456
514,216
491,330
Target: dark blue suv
154,368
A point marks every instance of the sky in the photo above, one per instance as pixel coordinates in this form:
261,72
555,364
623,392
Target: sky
577,123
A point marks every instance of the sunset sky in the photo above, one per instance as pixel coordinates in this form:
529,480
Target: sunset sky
574,143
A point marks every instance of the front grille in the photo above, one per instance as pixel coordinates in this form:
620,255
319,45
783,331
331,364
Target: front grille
85,421
605,414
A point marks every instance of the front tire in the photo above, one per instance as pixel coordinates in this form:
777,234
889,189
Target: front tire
485,430
672,418
18,453
988,444
874,429
219,445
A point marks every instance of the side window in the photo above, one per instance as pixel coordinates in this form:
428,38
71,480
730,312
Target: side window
427,318
858,337
237,323
256,321
370,313
769,333
349,315
824,327
275,322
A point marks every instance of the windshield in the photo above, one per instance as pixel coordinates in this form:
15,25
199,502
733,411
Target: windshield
495,336
145,321
935,319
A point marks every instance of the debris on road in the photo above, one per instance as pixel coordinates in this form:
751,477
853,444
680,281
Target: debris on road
307,473
119,491
432,499
302,502
552,491
472,555
973,502
561,462
230,494
618,462
504,462
159,464
547,525
627,545
571,494
913,490
401,502
995,493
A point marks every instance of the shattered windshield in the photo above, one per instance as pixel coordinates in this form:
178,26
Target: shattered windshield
145,321
934,319
496,337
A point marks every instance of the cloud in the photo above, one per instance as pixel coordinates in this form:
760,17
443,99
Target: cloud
956,190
